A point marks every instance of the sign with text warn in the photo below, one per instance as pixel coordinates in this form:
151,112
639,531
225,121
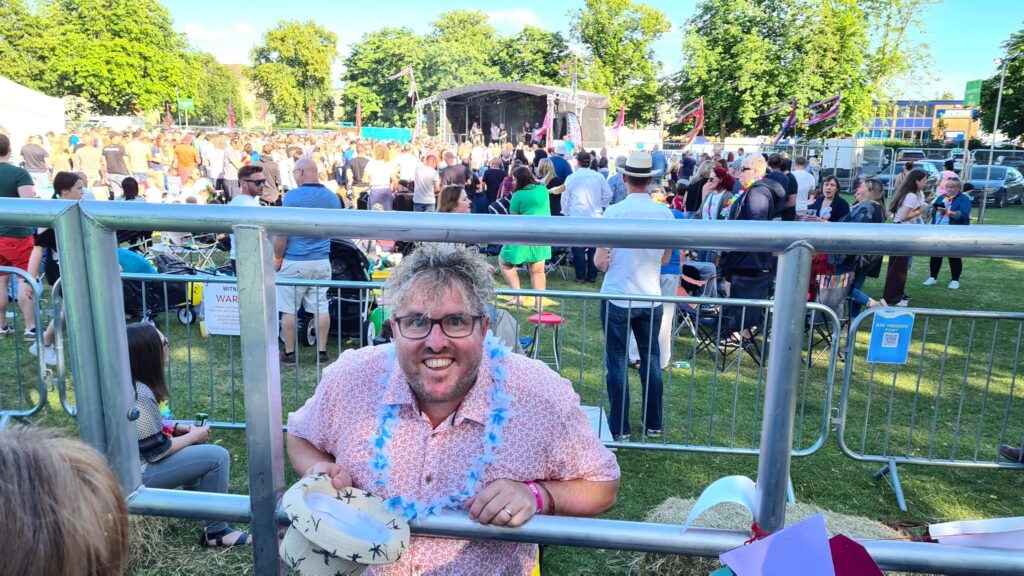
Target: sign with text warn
220,306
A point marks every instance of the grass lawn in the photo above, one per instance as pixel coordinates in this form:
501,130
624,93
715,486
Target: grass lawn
702,406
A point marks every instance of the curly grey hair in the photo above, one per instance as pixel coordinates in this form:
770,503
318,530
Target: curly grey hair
433,268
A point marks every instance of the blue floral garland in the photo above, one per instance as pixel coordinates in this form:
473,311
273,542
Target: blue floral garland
497,417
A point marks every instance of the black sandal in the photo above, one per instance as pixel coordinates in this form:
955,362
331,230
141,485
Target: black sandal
218,539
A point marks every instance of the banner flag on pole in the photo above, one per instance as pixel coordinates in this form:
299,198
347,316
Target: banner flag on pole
263,111
309,115
571,68
620,121
692,111
545,128
412,82
169,120
231,117
831,110
788,122
359,118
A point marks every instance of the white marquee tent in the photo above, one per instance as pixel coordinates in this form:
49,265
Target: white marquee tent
24,112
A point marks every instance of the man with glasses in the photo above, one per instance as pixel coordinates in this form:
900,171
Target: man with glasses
444,417
750,274
299,257
250,180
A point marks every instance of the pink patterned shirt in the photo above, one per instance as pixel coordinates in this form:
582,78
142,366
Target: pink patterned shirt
548,437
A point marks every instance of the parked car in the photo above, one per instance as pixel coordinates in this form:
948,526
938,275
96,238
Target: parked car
1004,185
908,155
886,178
1016,162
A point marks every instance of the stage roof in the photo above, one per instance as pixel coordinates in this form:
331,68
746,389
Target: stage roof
488,91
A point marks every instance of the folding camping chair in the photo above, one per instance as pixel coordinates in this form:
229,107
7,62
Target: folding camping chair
831,290
195,250
561,258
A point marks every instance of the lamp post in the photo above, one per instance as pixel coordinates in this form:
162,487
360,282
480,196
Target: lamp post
992,146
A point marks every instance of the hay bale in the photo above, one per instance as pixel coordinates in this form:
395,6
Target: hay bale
735,517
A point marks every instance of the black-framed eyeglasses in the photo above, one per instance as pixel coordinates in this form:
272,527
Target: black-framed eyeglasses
745,169
418,326
259,182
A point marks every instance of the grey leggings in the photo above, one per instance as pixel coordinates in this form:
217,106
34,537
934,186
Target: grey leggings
200,467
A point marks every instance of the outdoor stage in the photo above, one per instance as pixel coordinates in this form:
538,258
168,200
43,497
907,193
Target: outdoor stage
449,115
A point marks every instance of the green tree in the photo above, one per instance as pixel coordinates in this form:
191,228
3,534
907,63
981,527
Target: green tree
459,51
371,60
122,56
292,67
734,57
743,62
532,56
1011,110
217,85
618,35
23,43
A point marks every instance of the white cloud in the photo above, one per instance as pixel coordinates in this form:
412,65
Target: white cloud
199,33
229,45
513,20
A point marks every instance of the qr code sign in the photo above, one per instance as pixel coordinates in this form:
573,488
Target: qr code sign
890,340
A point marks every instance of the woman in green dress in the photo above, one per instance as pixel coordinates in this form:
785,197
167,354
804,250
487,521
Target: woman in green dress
530,198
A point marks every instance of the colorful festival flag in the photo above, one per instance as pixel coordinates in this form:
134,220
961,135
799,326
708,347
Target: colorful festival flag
546,125
620,122
788,122
169,120
309,115
571,68
827,109
359,119
692,111
412,82
231,117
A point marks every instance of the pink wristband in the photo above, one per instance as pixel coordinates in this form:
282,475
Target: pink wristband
536,495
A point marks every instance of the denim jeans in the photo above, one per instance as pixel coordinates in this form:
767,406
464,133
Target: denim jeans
202,467
617,323
423,207
583,261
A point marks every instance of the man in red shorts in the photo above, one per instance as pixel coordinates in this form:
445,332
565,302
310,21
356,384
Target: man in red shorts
15,242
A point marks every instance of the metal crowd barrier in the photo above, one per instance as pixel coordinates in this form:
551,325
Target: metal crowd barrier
29,373
85,232
948,405
711,405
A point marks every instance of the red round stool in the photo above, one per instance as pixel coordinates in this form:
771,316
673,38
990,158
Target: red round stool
554,322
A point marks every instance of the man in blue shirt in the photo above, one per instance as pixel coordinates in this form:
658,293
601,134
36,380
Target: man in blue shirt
562,167
299,257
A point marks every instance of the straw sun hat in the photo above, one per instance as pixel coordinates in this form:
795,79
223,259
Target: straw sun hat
339,531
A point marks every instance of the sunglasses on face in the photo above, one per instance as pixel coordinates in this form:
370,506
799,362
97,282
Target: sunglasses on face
259,182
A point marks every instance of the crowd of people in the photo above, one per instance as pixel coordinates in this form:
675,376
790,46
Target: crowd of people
452,382
339,171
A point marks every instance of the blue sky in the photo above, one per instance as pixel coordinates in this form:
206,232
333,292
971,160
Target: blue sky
229,30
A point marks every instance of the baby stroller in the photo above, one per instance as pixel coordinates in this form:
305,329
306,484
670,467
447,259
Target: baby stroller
349,307
182,298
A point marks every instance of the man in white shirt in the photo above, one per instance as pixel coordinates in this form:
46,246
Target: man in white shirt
407,163
428,184
633,271
586,195
804,183
213,160
250,185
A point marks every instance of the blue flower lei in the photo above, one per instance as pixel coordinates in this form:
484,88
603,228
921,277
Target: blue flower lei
497,417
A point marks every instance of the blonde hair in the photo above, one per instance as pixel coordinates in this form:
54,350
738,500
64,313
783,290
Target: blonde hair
64,512
546,170
380,151
705,169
